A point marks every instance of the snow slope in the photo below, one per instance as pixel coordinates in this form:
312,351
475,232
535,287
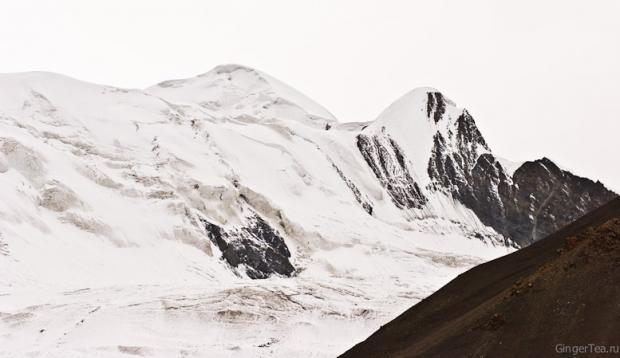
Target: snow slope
235,91
138,221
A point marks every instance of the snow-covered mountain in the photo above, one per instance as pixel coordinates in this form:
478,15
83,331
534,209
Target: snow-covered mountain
138,221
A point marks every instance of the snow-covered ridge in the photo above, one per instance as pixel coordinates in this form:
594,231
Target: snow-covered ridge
190,189
239,91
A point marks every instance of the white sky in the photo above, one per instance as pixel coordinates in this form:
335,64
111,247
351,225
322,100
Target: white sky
540,77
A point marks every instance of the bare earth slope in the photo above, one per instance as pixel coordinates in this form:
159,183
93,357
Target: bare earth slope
561,291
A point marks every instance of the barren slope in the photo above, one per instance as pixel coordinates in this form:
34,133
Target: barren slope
560,290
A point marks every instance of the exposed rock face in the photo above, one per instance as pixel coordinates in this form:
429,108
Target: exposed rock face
257,247
455,153
435,106
361,199
545,198
487,193
538,199
388,163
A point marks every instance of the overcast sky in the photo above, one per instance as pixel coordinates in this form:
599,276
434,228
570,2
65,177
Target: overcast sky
540,77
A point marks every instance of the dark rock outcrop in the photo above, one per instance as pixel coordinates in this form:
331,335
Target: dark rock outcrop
487,193
359,197
545,198
256,246
454,157
388,163
538,199
435,106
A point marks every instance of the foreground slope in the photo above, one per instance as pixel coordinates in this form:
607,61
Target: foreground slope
557,293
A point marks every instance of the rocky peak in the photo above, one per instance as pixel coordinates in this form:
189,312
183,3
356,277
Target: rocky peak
456,149
448,153
435,106
468,132
537,199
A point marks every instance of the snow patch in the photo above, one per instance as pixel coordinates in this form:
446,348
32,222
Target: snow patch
4,163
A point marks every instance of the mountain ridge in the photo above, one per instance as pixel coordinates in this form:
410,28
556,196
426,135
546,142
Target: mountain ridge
447,159
230,185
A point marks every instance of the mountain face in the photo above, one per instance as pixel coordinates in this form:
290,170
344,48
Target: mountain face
387,161
217,181
541,199
534,201
525,205
554,294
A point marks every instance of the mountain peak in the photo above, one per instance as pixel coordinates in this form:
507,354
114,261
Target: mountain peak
235,90
231,67
420,119
424,104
